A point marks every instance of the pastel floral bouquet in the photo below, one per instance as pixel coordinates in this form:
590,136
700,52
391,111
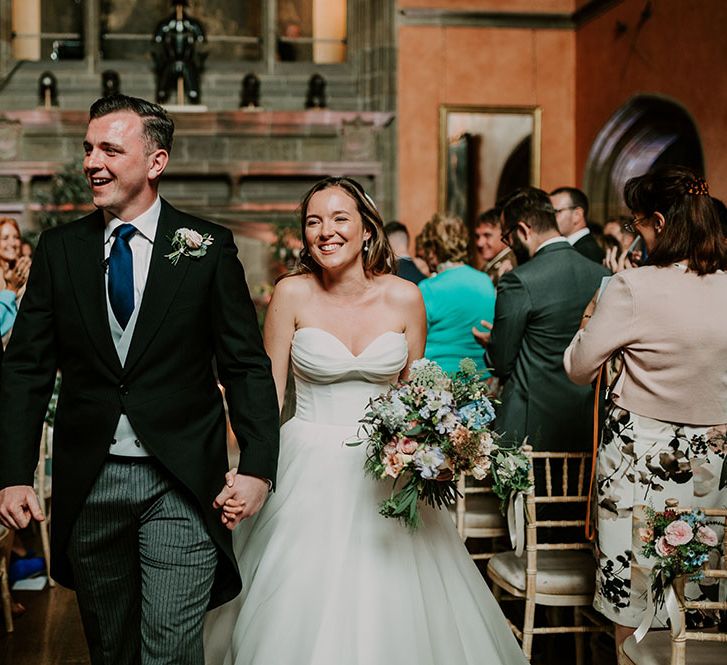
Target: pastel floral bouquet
425,432
681,543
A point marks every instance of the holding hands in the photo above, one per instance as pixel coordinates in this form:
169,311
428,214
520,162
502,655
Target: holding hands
240,498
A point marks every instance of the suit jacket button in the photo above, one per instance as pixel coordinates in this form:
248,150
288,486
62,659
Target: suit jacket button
123,389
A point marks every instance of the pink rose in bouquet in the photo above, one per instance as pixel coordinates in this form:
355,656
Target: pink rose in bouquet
646,535
707,536
663,548
678,533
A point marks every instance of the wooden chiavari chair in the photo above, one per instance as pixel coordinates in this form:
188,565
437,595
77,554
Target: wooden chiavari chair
552,574
706,647
5,539
477,513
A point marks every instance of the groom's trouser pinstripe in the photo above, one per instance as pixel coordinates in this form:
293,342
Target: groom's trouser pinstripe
143,563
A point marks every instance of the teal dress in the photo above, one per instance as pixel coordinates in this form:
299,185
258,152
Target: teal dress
456,300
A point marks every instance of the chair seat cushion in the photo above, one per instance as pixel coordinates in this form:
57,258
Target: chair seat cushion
565,572
655,649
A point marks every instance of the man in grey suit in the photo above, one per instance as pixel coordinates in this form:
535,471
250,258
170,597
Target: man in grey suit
538,310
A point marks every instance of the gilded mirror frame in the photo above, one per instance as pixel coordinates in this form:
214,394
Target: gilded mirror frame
448,153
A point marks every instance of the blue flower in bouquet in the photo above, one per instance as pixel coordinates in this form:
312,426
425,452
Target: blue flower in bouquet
428,461
478,414
438,404
391,412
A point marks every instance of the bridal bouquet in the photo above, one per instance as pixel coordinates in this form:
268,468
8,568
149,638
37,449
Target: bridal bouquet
425,432
681,543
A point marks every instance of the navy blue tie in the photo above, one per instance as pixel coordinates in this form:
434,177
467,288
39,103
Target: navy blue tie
121,274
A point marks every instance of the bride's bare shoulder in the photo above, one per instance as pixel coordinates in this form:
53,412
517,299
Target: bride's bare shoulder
295,286
400,292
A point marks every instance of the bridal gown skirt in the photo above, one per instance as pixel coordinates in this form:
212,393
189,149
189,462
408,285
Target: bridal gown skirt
328,581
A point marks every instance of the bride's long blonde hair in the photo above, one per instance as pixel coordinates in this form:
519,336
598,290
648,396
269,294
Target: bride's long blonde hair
378,259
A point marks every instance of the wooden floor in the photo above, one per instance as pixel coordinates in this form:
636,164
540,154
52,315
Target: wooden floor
49,633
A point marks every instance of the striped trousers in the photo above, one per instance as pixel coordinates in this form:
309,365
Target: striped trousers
143,563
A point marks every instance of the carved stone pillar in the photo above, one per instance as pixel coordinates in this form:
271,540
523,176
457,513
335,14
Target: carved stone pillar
91,33
6,28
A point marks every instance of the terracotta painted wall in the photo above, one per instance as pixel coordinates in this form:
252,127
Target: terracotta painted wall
679,53
484,67
557,6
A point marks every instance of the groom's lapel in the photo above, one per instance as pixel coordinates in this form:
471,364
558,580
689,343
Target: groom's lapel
162,283
85,255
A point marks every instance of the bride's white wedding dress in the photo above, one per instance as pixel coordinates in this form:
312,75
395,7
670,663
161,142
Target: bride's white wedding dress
326,579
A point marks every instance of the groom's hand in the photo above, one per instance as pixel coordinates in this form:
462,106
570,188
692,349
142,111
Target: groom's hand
240,498
18,505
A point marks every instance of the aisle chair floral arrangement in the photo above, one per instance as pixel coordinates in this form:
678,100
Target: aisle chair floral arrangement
680,542
428,430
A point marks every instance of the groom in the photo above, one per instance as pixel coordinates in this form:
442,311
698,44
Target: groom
139,447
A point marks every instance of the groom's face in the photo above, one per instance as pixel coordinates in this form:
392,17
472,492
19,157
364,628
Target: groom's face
119,166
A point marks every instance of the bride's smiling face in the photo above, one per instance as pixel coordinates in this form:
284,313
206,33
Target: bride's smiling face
334,230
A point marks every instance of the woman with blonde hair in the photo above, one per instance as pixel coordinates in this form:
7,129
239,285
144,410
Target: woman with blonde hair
14,271
456,298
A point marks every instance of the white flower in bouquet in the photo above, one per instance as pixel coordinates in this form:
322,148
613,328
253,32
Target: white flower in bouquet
428,460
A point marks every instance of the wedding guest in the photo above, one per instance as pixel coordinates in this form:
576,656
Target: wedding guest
26,248
721,209
418,257
665,433
539,305
14,271
494,257
457,298
571,214
406,268
614,227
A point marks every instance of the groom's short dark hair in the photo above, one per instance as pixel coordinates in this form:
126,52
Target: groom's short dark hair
158,125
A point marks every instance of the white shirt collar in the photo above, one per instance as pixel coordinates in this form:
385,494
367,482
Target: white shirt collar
573,238
551,241
146,223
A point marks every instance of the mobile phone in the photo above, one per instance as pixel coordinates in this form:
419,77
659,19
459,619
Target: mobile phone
636,253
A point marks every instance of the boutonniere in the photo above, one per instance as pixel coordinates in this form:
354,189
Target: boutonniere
188,242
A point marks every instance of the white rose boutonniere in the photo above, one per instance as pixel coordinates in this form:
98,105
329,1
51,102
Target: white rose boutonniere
188,242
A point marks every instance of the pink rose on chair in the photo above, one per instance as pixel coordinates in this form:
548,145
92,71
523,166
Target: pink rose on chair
663,548
678,533
707,536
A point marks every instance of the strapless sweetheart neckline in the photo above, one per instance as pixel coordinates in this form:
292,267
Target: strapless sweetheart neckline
341,343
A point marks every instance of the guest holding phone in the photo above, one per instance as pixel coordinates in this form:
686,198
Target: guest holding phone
665,433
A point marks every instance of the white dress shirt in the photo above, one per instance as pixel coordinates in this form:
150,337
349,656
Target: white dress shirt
126,443
573,238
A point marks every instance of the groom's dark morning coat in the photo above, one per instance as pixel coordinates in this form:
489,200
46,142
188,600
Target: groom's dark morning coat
190,313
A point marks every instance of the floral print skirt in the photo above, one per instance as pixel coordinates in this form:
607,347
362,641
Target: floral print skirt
643,462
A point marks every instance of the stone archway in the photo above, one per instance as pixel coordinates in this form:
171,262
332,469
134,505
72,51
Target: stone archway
646,132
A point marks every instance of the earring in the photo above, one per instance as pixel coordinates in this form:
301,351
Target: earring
366,246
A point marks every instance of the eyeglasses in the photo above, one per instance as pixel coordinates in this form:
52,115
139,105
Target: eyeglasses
630,227
557,210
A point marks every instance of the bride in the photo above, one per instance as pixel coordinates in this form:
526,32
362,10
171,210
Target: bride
327,580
